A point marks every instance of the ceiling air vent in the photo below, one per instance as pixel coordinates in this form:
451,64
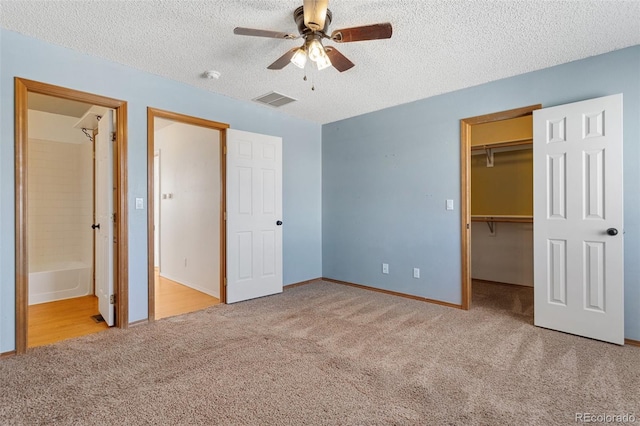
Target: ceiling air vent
274,99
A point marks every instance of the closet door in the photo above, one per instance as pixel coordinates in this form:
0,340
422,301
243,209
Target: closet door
578,231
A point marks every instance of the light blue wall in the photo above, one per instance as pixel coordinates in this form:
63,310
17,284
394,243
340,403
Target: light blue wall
387,174
380,180
33,59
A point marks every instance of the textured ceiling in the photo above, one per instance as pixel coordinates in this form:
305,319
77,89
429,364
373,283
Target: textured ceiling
437,46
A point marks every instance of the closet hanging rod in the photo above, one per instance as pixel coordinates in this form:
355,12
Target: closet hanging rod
503,218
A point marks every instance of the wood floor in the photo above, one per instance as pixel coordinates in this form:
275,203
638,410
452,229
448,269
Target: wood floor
173,298
65,319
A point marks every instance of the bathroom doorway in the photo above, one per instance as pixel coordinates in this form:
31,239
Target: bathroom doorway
69,191
61,218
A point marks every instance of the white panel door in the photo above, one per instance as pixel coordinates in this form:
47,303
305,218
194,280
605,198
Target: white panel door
104,228
254,215
578,228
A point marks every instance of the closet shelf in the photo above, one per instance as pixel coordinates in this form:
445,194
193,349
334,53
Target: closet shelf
502,218
90,118
491,148
517,143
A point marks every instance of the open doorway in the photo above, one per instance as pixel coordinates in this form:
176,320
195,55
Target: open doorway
58,205
497,209
62,219
577,250
186,213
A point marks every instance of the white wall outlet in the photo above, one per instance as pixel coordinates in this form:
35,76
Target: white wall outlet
385,268
449,204
416,272
139,203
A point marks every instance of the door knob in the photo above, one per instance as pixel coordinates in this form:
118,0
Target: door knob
612,231
279,223
94,226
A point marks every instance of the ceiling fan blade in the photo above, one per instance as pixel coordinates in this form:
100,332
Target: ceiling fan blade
283,60
263,33
315,13
338,60
366,32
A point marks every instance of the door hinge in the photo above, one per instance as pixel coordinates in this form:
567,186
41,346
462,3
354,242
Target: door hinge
112,299
225,215
224,150
113,216
225,281
467,226
113,136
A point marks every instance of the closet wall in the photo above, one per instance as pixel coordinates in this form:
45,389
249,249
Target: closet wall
502,201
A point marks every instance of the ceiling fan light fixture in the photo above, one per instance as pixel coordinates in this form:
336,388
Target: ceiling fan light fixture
323,62
316,52
315,49
299,59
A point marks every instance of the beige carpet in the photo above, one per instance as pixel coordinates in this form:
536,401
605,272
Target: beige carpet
326,354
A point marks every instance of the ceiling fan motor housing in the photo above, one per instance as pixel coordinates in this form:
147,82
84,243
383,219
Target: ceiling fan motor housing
298,16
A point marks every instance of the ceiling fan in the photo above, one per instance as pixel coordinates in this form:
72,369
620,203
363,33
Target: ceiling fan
313,19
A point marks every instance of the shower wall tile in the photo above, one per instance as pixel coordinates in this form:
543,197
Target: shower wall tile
60,202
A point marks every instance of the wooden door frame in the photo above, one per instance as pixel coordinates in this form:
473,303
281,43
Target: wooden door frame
152,114
466,125
22,89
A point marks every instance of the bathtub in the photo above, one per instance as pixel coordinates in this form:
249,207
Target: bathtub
63,280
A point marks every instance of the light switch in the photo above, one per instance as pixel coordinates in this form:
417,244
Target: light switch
139,203
449,204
